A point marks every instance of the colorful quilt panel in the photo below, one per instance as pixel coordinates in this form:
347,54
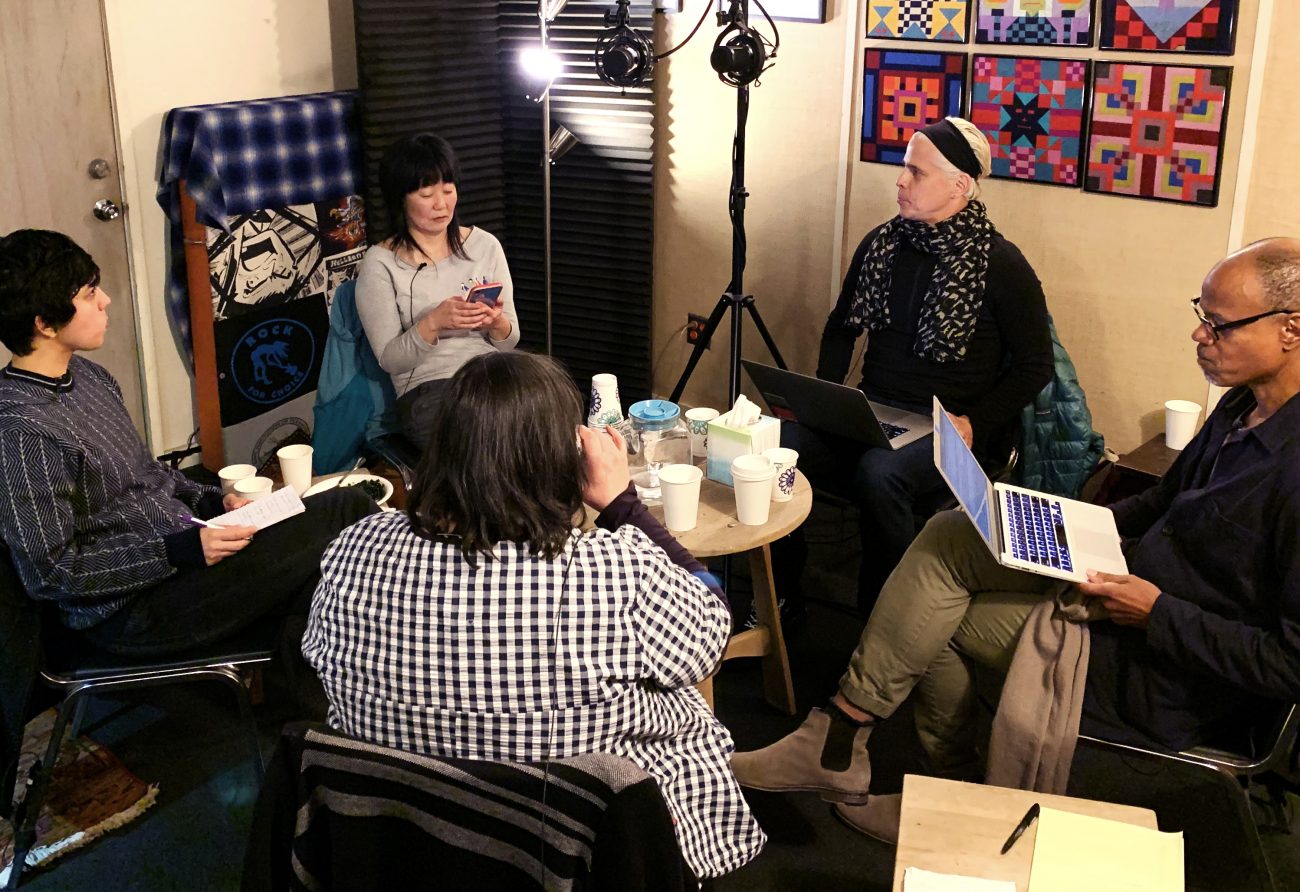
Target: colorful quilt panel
1034,22
938,21
902,91
1182,26
1032,112
1156,131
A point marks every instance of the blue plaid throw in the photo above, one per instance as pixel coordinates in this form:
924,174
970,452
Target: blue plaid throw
238,157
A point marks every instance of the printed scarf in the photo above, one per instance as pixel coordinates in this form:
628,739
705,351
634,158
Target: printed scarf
952,304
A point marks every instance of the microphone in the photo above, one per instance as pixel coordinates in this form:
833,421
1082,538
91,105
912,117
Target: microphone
624,56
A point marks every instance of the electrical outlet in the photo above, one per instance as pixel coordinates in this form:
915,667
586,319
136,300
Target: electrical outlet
695,327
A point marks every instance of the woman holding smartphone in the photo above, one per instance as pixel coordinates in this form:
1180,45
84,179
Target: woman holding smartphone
419,293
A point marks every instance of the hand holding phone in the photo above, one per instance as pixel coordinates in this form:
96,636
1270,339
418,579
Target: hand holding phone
485,294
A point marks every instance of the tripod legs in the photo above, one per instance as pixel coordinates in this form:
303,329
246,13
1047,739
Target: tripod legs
736,303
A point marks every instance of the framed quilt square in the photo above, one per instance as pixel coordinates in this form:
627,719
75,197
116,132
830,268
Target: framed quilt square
1156,131
1032,112
1034,22
1171,26
937,21
902,91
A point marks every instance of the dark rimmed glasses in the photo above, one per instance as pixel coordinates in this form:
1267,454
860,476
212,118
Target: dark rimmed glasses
1217,329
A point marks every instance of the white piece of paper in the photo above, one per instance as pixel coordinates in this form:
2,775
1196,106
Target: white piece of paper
262,513
917,880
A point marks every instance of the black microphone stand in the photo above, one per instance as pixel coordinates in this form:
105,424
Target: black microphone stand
734,298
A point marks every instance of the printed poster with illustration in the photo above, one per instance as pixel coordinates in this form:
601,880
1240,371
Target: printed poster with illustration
273,277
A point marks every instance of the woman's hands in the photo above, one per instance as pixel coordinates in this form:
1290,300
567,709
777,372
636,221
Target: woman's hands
459,314
604,453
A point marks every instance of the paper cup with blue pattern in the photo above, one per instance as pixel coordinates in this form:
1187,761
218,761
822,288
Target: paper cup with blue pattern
605,406
784,460
697,420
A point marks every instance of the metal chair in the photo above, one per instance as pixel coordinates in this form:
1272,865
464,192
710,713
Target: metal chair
1271,757
76,671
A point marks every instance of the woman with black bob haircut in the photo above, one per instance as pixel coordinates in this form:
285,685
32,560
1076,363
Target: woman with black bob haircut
482,624
414,288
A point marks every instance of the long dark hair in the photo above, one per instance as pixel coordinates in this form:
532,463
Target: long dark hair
409,165
502,462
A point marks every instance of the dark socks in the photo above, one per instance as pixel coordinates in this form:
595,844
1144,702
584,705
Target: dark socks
837,752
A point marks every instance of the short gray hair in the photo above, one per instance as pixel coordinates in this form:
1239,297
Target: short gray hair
1276,262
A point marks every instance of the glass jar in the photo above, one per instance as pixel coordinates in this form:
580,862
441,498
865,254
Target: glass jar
658,438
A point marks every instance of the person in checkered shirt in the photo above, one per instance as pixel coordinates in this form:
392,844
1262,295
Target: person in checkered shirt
480,624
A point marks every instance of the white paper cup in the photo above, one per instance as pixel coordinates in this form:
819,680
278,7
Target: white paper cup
253,488
1180,422
784,460
680,487
605,406
751,477
295,466
697,420
231,473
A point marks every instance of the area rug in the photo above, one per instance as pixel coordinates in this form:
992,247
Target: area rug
91,793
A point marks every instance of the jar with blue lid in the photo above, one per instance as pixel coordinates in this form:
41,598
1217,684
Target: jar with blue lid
658,438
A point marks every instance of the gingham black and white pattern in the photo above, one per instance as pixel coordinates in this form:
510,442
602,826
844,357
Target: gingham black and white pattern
83,505
955,292
523,659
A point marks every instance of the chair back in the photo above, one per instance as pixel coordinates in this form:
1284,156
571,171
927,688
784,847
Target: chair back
354,396
336,813
21,654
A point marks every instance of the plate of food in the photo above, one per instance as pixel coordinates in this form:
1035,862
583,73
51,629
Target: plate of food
372,485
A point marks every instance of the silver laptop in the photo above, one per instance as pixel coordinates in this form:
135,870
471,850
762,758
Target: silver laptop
1026,529
835,409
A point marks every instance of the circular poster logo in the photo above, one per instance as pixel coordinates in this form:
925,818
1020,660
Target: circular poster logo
272,360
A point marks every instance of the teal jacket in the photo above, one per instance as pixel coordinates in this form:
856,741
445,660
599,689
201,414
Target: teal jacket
1059,448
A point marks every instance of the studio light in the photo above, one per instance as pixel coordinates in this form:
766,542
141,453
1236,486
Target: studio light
541,67
562,140
624,56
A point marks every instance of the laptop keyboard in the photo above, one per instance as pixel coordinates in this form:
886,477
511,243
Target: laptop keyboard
1037,530
892,430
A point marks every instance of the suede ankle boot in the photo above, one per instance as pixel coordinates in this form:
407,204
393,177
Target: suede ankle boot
826,754
879,818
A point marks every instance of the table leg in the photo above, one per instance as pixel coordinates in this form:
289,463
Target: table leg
778,688
706,691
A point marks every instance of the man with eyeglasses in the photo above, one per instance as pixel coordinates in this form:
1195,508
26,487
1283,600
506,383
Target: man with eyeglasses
1201,636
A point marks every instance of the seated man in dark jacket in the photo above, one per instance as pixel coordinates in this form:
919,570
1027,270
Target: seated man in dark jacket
93,523
951,309
1203,632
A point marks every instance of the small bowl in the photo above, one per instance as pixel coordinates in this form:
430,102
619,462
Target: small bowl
353,480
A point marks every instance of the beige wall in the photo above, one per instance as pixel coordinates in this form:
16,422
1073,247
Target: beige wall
1273,207
793,165
169,53
1118,272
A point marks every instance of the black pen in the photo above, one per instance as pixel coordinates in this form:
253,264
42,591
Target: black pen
1025,822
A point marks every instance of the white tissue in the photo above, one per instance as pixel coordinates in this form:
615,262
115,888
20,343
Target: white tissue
743,414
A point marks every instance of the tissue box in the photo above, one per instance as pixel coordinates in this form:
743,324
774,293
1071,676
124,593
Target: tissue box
725,443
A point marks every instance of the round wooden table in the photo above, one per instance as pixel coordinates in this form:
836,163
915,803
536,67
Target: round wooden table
717,533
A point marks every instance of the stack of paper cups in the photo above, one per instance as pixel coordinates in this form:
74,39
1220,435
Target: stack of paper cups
751,477
605,406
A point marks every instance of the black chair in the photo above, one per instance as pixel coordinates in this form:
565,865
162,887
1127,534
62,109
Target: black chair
1266,753
399,452
338,813
40,649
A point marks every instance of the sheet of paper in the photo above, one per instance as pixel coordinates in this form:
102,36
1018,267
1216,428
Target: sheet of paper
917,880
1076,852
262,513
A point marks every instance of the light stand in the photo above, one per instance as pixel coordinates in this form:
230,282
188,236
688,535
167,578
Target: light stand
734,298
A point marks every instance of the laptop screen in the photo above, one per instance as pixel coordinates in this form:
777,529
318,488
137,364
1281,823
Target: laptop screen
967,479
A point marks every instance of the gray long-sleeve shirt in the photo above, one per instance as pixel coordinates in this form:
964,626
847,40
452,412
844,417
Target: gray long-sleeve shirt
392,295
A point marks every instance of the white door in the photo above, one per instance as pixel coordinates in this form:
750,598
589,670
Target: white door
58,155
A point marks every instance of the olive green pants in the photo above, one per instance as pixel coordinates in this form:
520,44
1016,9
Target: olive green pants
947,607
